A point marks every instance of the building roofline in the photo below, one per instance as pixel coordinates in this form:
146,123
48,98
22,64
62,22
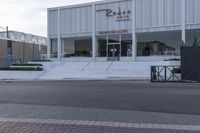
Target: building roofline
14,40
28,34
85,4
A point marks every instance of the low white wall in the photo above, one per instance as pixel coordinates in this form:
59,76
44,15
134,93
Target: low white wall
155,58
19,75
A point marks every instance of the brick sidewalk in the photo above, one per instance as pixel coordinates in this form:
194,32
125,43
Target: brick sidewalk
21,127
16,125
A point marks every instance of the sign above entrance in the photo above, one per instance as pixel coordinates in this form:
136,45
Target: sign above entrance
121,15
114,31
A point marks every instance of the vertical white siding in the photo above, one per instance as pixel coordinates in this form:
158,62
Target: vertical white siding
104,23
192,11
151,15
76,20
155,13
53,22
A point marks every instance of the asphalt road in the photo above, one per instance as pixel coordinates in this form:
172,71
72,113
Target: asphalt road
120,95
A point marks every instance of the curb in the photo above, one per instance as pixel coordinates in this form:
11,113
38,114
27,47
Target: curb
106,124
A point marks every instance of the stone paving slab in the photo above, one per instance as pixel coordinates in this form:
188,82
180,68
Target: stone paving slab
16,125
73,113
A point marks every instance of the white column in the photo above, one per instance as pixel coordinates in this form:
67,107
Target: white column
58,37
183,20
134,41
48,48
48,38
62,47
93,32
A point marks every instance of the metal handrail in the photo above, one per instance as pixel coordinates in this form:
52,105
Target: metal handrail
109,66
45,56
171,53
93,59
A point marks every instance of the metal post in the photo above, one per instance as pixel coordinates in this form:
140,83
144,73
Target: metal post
165,71
120,46
107,46
134,41
49,41
33,52
93,32
183,21
151,73
23,59
58,37
7,31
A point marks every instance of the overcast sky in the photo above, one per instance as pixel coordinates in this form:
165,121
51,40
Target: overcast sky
29,15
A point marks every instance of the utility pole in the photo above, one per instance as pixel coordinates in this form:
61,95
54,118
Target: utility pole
7,32
24,48
9,48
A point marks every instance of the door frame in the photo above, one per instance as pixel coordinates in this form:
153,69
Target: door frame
116,43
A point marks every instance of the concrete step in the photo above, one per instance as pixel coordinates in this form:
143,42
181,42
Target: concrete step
83,69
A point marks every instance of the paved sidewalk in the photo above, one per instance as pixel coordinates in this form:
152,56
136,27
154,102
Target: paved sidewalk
57,119
77,126
74,113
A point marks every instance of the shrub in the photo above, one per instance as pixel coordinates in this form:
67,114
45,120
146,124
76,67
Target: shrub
42,61
21,69
27,65
173,59
176,70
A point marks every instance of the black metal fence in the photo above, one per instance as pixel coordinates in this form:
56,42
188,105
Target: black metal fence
165,74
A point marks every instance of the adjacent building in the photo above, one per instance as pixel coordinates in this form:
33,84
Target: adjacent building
18,47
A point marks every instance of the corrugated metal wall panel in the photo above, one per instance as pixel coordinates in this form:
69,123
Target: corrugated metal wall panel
156,13
151,15
105,23
76,20
53,17
192,11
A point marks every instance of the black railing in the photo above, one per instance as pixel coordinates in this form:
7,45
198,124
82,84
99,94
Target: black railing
165,74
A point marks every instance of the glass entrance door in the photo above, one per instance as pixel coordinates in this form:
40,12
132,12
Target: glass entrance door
114,52
113,47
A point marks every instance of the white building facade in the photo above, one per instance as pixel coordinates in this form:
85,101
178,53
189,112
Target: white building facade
123,30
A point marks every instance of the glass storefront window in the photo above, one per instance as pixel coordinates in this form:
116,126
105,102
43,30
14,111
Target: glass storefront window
126,45
79,47
102,46
54,48
159,43
193,37
83,47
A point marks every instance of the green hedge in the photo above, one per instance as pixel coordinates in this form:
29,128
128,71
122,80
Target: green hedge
176,70
21,69
173,59
42,61
27,65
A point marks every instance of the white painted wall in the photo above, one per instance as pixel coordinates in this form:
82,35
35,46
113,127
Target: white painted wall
19,75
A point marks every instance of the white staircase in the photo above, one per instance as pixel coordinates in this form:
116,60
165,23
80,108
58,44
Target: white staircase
98,70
